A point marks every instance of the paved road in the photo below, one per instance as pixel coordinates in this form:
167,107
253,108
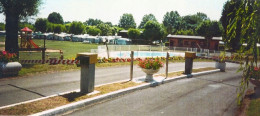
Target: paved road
23,89
208,95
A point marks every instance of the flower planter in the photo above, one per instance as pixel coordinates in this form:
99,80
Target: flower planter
10,68
149,74
221,66
255,82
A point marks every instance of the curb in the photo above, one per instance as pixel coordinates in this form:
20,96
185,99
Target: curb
72,106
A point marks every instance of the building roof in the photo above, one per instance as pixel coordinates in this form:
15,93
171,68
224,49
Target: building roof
191,37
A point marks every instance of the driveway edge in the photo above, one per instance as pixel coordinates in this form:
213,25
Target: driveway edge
82,103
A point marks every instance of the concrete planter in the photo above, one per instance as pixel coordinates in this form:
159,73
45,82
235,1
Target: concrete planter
221,66
255,82
10,68
149,74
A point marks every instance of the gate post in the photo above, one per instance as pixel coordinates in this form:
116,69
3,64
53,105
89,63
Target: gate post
87,71
189,56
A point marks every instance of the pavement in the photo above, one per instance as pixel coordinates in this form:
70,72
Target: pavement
38,86
206,95
203,95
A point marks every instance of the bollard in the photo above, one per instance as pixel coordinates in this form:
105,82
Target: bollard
189,56
167,62
87,71
132,65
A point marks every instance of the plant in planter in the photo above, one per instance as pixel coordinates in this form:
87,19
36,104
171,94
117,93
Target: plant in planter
220,62
8,64
150,67
255,75
242,26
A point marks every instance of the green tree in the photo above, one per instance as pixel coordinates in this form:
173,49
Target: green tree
93,22
109,23
14,11
202,16
184,32
192,21
77,28
58,28
146,18
209,29
93,31
55,18
50,27
127,21
116,30
2,26
133,34
246,17
171,20
227,16
26,24
41,25
105,29
153,31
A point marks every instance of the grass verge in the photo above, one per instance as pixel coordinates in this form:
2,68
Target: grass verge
254,108
250,106
179,73
53,102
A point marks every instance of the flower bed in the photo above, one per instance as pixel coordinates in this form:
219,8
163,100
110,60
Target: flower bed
112,60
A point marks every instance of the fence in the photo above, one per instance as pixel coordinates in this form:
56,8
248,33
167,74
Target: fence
112,48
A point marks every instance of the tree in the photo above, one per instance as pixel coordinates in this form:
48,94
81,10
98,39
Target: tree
77,28
247,18
171,20
184,32
116,30
127,21
58,28
109,23
227,16
2,26
133,34
146,18
202,16
41,25
93,31
93,22
209,29
26,24
55,18
192,21
105,29
14,11
153,31
50,27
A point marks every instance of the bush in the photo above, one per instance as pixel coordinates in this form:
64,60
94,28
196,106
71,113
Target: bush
77,28
93,31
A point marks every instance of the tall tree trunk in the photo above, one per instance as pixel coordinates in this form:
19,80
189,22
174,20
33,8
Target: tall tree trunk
11,27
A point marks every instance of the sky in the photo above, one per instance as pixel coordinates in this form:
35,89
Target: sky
112,10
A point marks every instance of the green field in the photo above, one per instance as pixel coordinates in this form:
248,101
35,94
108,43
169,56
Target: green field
70,49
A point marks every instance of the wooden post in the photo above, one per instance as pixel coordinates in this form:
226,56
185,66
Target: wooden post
132,65
167,61
43,56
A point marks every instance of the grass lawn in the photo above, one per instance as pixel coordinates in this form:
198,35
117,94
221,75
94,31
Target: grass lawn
254,108
70,49
52,102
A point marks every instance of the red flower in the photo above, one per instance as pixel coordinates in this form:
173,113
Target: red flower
256,68
4,52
